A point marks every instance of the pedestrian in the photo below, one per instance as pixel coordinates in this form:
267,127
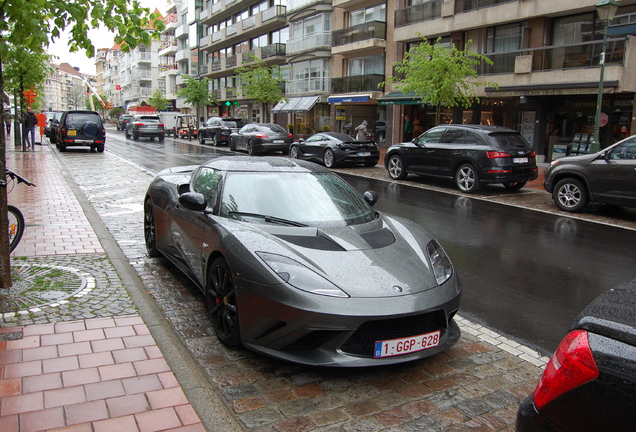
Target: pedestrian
362,131
7,121
30,121
408,129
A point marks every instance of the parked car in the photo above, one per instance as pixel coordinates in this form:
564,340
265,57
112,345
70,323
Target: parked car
148,126
261,138
471,155
604,177
335,148
380,130
52,120
588,384
123,120
219,129
185,126
298,265
80,128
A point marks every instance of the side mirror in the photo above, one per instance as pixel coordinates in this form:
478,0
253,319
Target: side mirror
193,201
301,141
371,197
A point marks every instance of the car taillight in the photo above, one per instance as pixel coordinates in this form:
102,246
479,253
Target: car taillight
260,135
496,154
289,135
571,365
533,154
139,124
160,124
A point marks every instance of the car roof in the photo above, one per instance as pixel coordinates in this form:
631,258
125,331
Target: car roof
264,164
484,128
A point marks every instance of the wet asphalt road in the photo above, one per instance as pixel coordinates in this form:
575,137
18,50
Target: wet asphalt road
526,274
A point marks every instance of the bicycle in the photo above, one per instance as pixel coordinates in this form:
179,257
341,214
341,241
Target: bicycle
15,217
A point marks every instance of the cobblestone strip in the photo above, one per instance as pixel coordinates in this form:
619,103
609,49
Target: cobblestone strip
477,384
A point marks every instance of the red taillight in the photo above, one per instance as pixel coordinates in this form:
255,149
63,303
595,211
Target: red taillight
571,365
289,135
533,154
139,124
260,135
160,124
496,154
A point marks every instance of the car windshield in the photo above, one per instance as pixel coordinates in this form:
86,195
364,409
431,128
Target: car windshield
509,140
342,137
229,123
301,198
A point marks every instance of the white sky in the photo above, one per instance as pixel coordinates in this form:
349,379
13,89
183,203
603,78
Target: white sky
100,39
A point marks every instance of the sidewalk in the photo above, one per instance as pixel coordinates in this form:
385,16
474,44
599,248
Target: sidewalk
85,368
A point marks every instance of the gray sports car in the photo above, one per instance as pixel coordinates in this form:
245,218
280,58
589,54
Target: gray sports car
295,264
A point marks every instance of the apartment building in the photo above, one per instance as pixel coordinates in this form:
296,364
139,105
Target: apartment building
65,89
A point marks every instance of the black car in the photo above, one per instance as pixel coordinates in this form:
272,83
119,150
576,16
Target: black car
52,120
148,126
471,155
219,129
588,384
261,138
604,177
80,128
335,148
123,120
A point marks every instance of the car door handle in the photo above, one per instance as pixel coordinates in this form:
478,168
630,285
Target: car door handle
457,153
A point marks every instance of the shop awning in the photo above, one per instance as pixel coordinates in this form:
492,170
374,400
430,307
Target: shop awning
349,98
295,105
399,98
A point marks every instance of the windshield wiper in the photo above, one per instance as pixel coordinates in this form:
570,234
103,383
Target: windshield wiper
267,218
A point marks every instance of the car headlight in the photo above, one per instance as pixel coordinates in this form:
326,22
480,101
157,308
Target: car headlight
300,276
441,264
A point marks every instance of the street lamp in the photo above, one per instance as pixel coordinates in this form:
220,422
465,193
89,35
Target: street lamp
606,10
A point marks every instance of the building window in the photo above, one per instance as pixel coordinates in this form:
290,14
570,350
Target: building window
365,15
371,65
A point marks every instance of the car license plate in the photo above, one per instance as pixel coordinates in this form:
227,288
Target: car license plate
519,160
279,141
406,345
364,154
72,132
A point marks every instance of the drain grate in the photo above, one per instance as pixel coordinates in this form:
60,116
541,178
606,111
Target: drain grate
37,286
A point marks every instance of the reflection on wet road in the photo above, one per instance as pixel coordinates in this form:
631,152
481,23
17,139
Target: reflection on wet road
526,274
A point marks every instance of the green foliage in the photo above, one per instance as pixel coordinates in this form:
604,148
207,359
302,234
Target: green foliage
158,100
116,112
261,82
24,70
440,76
196,92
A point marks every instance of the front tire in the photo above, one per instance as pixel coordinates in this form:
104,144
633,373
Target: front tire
220,296
250,148
396,168
150,230
201,139
232,144
215,142
16,226
467,179
570,195
328,159
293,152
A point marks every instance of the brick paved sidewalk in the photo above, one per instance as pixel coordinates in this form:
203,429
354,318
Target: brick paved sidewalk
69,373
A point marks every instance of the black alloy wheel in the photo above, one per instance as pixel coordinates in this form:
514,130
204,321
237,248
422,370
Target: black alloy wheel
220,295
570,195
396,167
200,138
467,179
150,230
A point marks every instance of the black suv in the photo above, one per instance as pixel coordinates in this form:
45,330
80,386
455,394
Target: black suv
123,120
605,177
149,126
79,128
471,155
218,129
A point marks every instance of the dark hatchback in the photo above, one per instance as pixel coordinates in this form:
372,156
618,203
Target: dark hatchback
608,177
335,148
123,120
219,129
79,128
588,384
471,155
261,138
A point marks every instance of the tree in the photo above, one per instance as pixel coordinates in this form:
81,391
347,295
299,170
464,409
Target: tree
31,25
116,112
158,100
261,82
196,92
439,75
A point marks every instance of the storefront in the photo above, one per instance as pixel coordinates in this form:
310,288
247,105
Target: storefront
302,116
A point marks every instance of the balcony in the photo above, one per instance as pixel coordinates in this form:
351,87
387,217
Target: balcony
310,42
468,5
167,47
182,31
143,57
356,84
418,13
311,85
230,61
182,55
571,56
359,33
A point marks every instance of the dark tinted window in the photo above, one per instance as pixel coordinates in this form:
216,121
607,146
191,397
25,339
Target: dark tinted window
78,119
272,128
509,140
453,136
474,138
229,123
149,119
431,136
